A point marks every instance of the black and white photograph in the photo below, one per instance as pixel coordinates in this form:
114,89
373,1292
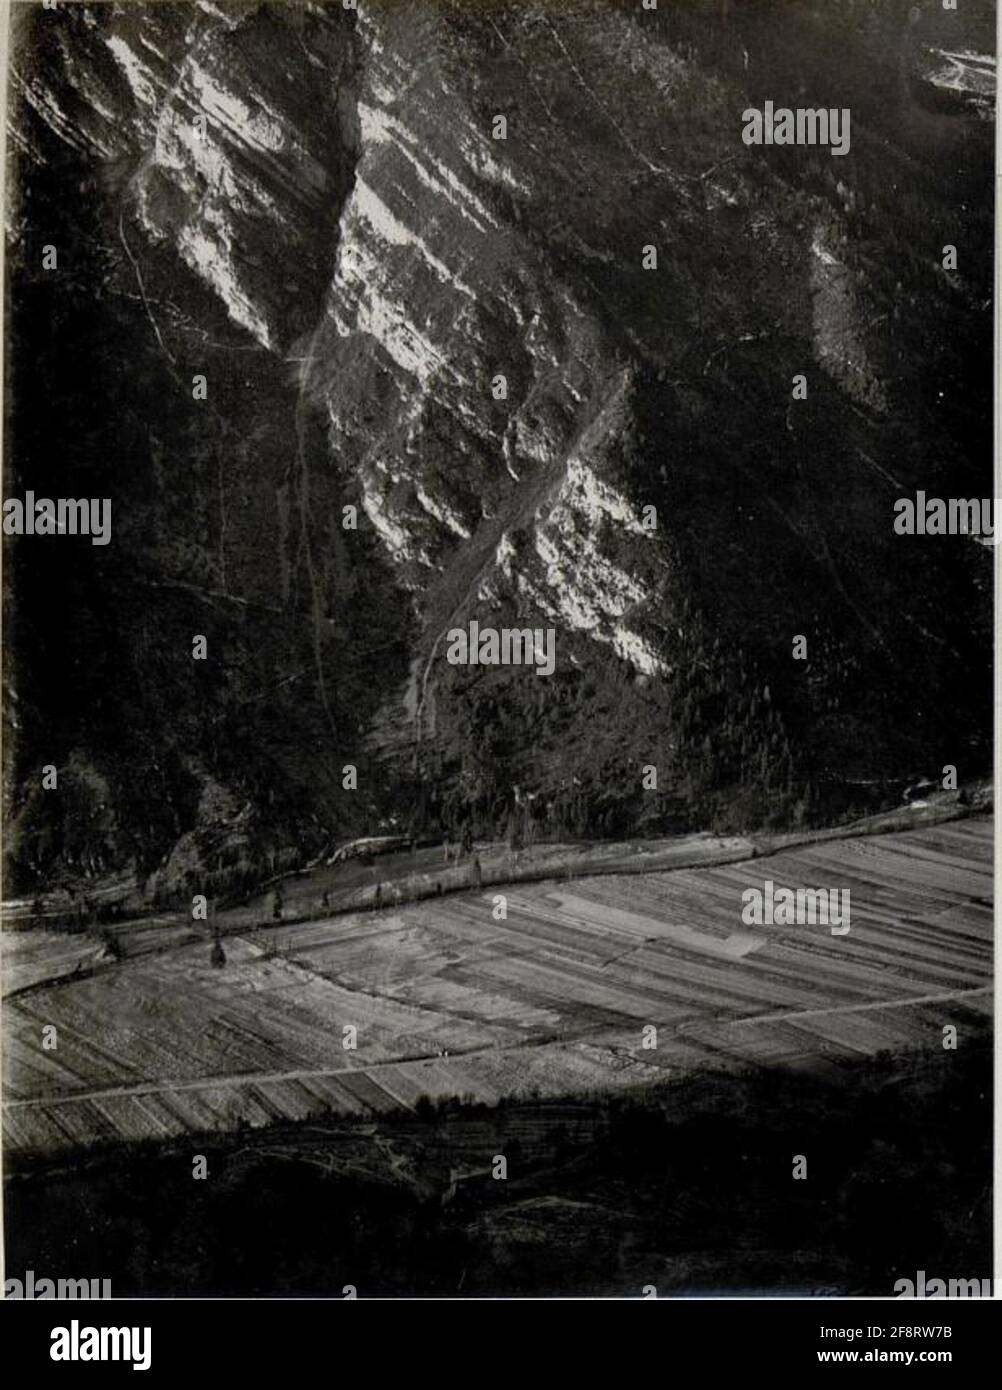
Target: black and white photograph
499,562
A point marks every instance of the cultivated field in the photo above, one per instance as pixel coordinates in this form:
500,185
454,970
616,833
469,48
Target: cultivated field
449,1001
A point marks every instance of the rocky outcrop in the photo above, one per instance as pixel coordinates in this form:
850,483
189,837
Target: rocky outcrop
228,124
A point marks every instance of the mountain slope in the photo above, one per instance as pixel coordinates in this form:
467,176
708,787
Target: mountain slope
350,257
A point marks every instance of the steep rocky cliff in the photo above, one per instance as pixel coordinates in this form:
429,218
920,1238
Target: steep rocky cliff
312,207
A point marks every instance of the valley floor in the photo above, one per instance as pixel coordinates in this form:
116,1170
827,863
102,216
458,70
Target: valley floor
363,1013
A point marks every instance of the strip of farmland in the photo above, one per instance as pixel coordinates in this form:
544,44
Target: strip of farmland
551,1001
